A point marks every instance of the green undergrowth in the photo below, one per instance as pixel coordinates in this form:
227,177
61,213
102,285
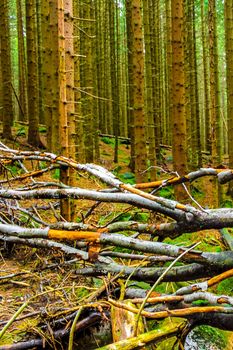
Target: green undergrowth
166,192
226,203
126,177
134,215
108,140
225,287
56,174
14,169
208,240
21,131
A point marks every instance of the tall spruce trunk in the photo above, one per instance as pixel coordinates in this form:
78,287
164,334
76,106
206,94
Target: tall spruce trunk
136,89
229,71
23,108
178,93
7,100
32,69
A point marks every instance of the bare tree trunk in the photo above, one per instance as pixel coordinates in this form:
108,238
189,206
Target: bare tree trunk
178,92
23,108
8,110
229,63
32,68
136,89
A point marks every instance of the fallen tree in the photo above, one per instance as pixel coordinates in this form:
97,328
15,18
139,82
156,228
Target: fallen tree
97,247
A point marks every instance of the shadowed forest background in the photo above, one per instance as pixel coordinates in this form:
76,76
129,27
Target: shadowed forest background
109,110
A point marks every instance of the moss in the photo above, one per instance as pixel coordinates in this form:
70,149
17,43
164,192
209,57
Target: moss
226,286
205,337
141,217
108,140
208,240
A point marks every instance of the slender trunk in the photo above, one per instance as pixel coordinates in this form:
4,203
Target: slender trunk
23,109
113,62
80,151
87,80
178,93
39,52
149,91
214,88
33,97
136,89
7,101
229,71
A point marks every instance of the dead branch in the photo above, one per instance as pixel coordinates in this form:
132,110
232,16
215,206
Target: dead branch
96,245
87,322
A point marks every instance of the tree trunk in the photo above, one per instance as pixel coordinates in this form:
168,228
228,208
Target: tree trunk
23,108
39,53
136,89
168,74
87,80
33,88
80,151
205,63
229,71
178,92
149,90
214,88
192,105
8,110
114,82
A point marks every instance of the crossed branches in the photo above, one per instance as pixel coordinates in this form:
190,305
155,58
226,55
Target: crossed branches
96,243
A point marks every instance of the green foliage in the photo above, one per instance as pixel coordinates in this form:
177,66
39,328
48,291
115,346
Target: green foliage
116,170
10,337
227,203
24,218
128,178
166,287
108,140
42,129
14,169
141,217
56,174
81,292
200,303
226,286
141,285
197,193
43,165
167,192
21,131
218,249
169,159
125,217
122,250
205,337
97,282
103,220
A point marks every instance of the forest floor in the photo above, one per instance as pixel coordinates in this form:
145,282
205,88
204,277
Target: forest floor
49,280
